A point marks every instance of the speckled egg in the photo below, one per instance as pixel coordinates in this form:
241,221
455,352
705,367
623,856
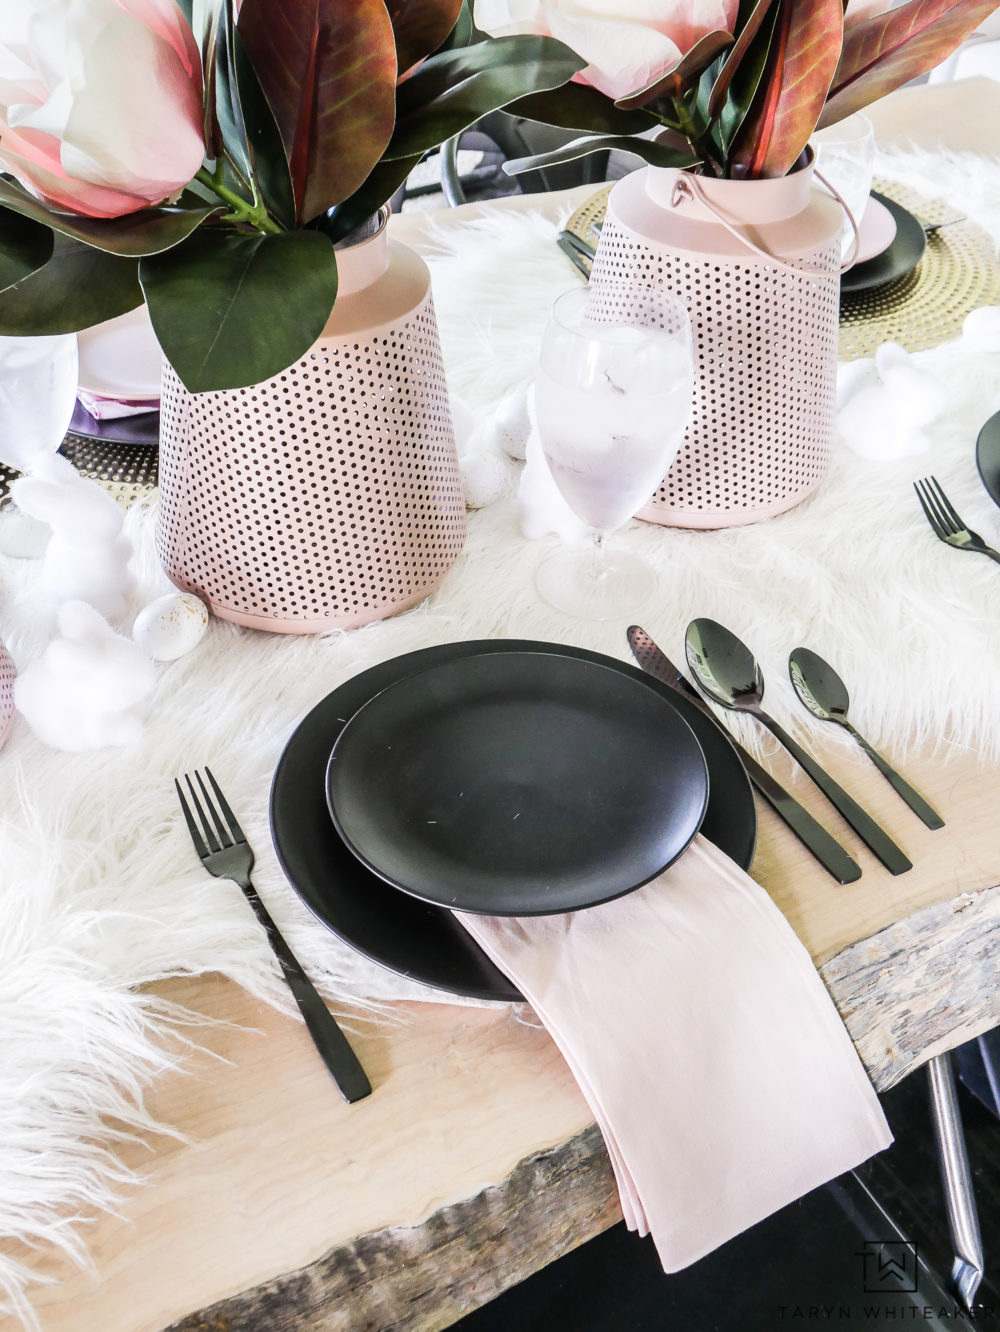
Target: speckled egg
512,423
170,626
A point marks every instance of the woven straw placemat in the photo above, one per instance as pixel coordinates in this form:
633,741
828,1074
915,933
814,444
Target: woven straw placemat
959,272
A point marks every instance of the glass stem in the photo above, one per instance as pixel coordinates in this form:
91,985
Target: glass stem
598,555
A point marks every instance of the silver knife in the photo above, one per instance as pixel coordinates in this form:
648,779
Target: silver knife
827,850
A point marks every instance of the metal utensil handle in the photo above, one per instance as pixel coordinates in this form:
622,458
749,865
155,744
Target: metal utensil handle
688,185
956,1178
899,784
810,832
330,1041
874,837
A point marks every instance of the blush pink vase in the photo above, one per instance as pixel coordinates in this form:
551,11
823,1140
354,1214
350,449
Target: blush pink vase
330,495
757,264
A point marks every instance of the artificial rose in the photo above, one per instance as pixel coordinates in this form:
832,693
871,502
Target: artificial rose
629,43
100,102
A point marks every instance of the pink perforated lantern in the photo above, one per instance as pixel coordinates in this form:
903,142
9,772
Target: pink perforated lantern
330,495
757,264
8,674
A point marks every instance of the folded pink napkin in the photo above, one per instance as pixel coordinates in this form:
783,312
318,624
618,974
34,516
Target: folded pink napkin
708,1048
114,409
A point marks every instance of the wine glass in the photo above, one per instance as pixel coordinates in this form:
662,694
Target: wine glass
38,384
612,400
845,155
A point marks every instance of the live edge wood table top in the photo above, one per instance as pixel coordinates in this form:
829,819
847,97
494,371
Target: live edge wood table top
476,1161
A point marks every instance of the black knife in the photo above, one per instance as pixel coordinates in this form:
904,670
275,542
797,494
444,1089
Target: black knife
827,850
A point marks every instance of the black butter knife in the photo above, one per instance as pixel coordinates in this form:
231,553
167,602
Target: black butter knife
827,850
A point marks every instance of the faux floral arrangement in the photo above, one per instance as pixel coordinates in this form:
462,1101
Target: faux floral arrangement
205,156
735,87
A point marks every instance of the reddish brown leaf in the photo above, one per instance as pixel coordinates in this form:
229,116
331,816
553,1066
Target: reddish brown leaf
887,50
328,71
800,66
420,27
675,82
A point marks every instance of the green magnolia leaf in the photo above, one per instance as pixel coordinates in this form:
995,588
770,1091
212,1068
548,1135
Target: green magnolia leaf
453,89
578,106
746,78
748,26
464,31
420,26
685,74
77,288
234,308
328,71
380,186
25,245
147,231
667,154
885,51
801,62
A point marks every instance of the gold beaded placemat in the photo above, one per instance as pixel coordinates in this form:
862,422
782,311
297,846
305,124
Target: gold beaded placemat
959,272
128,472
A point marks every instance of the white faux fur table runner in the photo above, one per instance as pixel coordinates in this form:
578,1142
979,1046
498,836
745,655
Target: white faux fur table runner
99,888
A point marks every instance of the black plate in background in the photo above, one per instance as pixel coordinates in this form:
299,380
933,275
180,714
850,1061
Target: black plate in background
517,784
898,259
406,935
143,428
988,457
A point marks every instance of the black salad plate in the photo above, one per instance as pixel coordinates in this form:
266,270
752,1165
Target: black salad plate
144,428
415,938
517,784
988,457
896,260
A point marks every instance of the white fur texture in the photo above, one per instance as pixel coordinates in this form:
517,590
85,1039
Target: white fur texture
100,889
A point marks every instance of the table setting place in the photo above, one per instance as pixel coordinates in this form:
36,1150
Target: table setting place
361,579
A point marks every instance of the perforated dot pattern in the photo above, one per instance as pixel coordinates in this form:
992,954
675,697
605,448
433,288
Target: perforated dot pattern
7,676
324,498
765,340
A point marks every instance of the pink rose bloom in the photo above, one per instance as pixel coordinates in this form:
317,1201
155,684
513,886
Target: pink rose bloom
100,102
629,43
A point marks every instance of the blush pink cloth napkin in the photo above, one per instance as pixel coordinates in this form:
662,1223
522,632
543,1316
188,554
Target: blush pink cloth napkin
114,409
708,1048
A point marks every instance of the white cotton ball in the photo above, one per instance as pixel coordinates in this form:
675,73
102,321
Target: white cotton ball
463,421
170,626
484,478
540,503
98,573
853,376
920,397
511,423
86,689
982,327
890,354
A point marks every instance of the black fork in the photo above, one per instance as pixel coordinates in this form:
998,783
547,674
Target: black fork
945,522
225,852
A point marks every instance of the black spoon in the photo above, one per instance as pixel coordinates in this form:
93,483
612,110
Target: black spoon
726,670
825,695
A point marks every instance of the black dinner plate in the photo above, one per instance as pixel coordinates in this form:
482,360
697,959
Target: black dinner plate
517,784
414,938
144,428
988,457
896,260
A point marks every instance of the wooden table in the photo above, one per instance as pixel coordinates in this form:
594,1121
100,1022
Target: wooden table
476,1162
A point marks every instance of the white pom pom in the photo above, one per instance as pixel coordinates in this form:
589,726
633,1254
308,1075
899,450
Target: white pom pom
86,689
982,328
484,478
